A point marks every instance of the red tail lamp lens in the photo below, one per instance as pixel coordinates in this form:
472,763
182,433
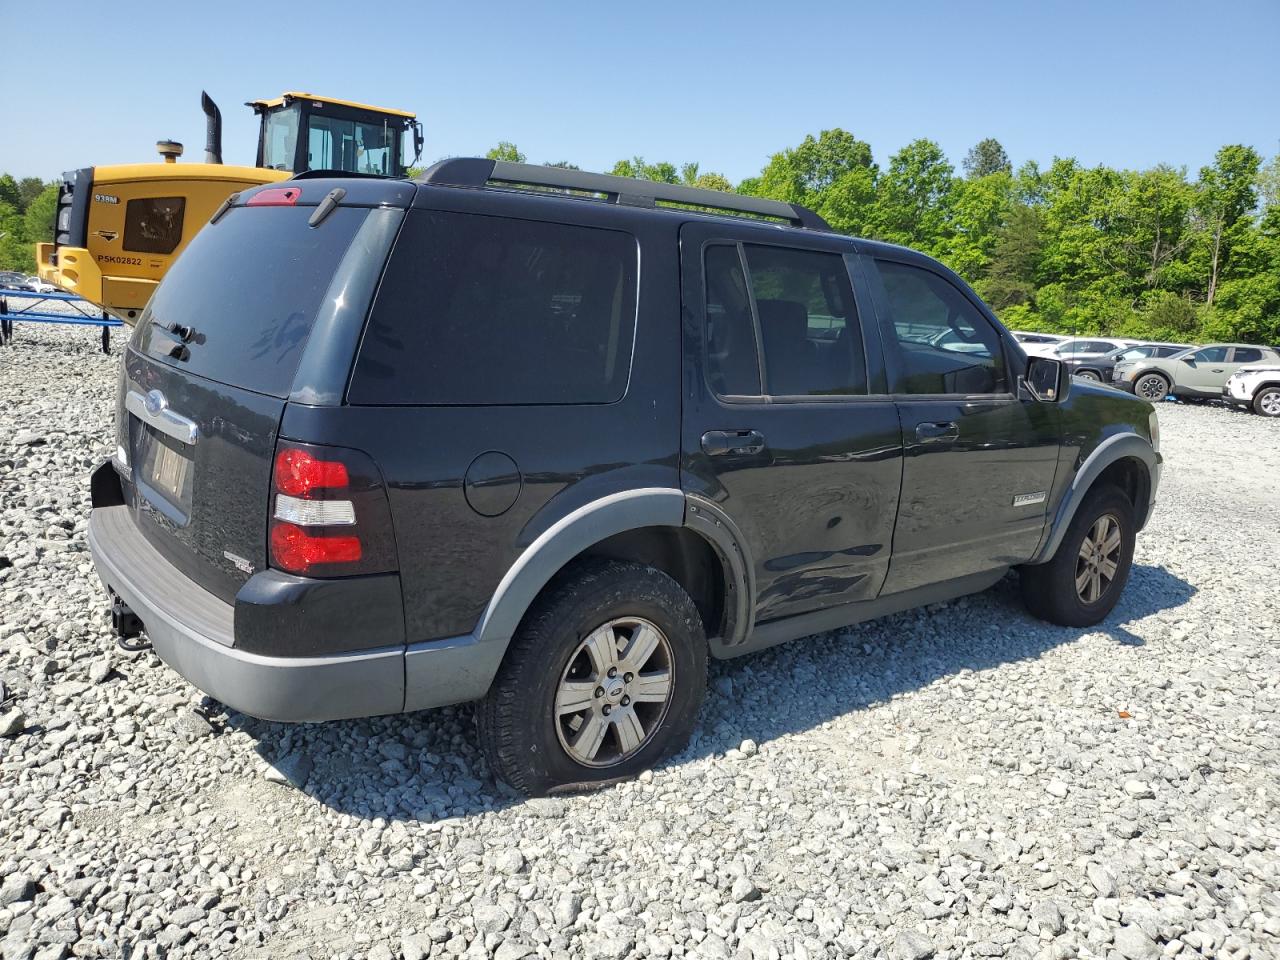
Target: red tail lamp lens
295,550
298,473
275,197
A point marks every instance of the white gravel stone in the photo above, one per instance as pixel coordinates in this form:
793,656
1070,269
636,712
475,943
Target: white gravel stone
903,797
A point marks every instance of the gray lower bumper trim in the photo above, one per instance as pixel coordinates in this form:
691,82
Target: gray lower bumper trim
361,684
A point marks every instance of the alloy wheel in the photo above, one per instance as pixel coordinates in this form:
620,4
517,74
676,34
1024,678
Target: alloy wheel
1269,403
1099,559
614,692
1152,387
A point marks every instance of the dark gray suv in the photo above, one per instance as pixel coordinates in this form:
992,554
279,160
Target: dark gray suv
548,440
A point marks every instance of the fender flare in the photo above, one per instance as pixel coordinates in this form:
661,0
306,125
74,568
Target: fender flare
1114,448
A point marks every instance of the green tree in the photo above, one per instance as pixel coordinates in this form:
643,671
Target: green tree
800,174
506,150
38,218
985,158
28,189
1013,269
15,252
9,192
979,209
1227,193
914,197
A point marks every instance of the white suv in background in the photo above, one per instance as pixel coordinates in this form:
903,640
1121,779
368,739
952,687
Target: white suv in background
1076,348
1256,386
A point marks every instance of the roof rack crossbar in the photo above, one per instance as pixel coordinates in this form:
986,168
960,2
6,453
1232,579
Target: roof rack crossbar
477,172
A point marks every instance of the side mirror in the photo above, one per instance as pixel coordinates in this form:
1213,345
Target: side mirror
1189,361
1047,379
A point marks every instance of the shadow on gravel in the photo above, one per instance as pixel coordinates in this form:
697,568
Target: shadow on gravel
425,766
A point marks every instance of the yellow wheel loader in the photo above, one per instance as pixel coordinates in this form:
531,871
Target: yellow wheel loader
119,227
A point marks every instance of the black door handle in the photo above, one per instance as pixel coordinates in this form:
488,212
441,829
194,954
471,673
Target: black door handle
943,430
719,443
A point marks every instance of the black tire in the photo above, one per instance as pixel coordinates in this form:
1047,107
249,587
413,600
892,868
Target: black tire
519,729
1267,397
1151,386
1050,589
1089,375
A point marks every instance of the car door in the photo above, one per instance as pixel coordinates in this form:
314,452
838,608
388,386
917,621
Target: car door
978,460
1204,371
787,429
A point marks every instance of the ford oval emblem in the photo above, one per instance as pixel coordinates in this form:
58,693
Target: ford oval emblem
155,402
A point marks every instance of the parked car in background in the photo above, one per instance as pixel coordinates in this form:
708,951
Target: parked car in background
36,285
484,464
1256,386
1025,338
13,281
1100,367
1196,374
1076,348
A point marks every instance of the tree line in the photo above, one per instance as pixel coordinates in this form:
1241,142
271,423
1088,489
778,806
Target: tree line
27,209
1148,254
1152,254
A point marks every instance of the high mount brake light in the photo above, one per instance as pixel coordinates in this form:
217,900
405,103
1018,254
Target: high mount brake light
275,197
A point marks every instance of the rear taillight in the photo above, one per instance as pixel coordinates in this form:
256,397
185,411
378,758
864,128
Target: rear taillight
329,513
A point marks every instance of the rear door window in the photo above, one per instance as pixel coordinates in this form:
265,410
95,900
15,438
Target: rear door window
1246,355
478,310
238,304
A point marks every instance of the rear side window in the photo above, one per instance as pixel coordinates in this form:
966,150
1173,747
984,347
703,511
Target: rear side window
246,291
1246,355
804,319
478,310
945,345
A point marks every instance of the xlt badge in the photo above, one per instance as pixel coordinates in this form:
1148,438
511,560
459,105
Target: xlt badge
240,563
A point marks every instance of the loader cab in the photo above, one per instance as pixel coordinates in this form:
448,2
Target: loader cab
302,132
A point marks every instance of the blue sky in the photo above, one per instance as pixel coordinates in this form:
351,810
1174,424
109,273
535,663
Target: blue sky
723,83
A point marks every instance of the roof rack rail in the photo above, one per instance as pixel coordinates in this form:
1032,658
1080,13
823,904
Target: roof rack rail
478,171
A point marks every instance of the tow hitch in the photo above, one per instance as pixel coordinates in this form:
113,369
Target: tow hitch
126,626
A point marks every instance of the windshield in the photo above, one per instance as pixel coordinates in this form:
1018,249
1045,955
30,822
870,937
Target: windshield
1131,353
280,138
353,146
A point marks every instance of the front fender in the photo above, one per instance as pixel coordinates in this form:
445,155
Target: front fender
1111,450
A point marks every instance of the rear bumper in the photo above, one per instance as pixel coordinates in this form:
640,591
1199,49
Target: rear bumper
193,632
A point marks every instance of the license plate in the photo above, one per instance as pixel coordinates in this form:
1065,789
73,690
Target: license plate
169,472
166,469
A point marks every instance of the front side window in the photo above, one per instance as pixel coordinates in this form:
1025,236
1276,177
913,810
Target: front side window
1210,355
477,310
153,224
944,344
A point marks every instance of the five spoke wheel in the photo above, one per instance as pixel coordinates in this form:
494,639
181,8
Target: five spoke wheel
1099,559
614,692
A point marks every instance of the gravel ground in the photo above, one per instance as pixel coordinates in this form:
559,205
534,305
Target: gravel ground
961,781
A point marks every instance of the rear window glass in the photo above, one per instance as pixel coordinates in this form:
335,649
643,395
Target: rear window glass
247,289
489,310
